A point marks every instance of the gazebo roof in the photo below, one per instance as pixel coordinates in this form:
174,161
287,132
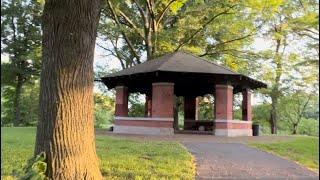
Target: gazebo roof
192,75
179,61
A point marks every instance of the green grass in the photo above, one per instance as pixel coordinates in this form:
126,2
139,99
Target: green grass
119,159
303,150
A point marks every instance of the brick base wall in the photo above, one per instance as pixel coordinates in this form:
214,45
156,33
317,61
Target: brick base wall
232,128
143,125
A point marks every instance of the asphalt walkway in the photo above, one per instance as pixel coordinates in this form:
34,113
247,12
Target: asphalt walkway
238,161
229,158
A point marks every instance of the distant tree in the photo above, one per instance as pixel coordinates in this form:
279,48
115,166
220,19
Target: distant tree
293,108
21,40
65,129
280,63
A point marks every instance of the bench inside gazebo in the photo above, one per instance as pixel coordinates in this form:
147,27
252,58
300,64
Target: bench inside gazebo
181,74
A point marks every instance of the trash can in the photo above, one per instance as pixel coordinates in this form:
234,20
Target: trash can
255,130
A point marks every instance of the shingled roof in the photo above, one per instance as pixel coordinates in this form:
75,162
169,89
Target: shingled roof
191,75
179,61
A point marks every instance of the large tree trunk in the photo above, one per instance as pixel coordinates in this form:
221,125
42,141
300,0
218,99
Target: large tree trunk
17,102
65,129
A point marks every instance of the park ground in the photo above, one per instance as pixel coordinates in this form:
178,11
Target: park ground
154,157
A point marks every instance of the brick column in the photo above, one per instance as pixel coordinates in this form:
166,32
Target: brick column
148,106
223,102
246,105
223,110
121,101
190,108
162,99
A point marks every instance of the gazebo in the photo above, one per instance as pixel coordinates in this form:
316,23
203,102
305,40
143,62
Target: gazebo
181,74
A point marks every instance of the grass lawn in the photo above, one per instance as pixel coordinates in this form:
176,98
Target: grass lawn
119,159
303,150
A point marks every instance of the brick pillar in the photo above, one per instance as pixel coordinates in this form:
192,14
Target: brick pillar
190,107
148,106
223,103
162,99
121,101
246,105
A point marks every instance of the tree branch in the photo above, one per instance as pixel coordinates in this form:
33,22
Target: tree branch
123,33
203,26
150,8
141,11
130,23
232,40
225,42
163,12
113,54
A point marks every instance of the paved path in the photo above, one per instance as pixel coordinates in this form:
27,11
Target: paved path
238,161
228,158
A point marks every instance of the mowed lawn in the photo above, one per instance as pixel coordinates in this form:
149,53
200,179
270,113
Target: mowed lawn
304,150
119,159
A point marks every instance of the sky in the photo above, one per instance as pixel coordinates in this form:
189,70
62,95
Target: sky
4,58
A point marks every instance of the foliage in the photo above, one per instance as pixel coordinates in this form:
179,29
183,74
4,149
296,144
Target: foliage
136,110
140,30
136,105
29,104
7,110
205,107
119,159
103,109
287,34
261,115
309,127
21,41
36,168
293,108
304,150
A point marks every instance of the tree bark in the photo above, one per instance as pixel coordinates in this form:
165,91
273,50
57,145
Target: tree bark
295,128
65,129
273,120
275,90
17,102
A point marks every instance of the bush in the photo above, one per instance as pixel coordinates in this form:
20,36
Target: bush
102,117
309,127
136,110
